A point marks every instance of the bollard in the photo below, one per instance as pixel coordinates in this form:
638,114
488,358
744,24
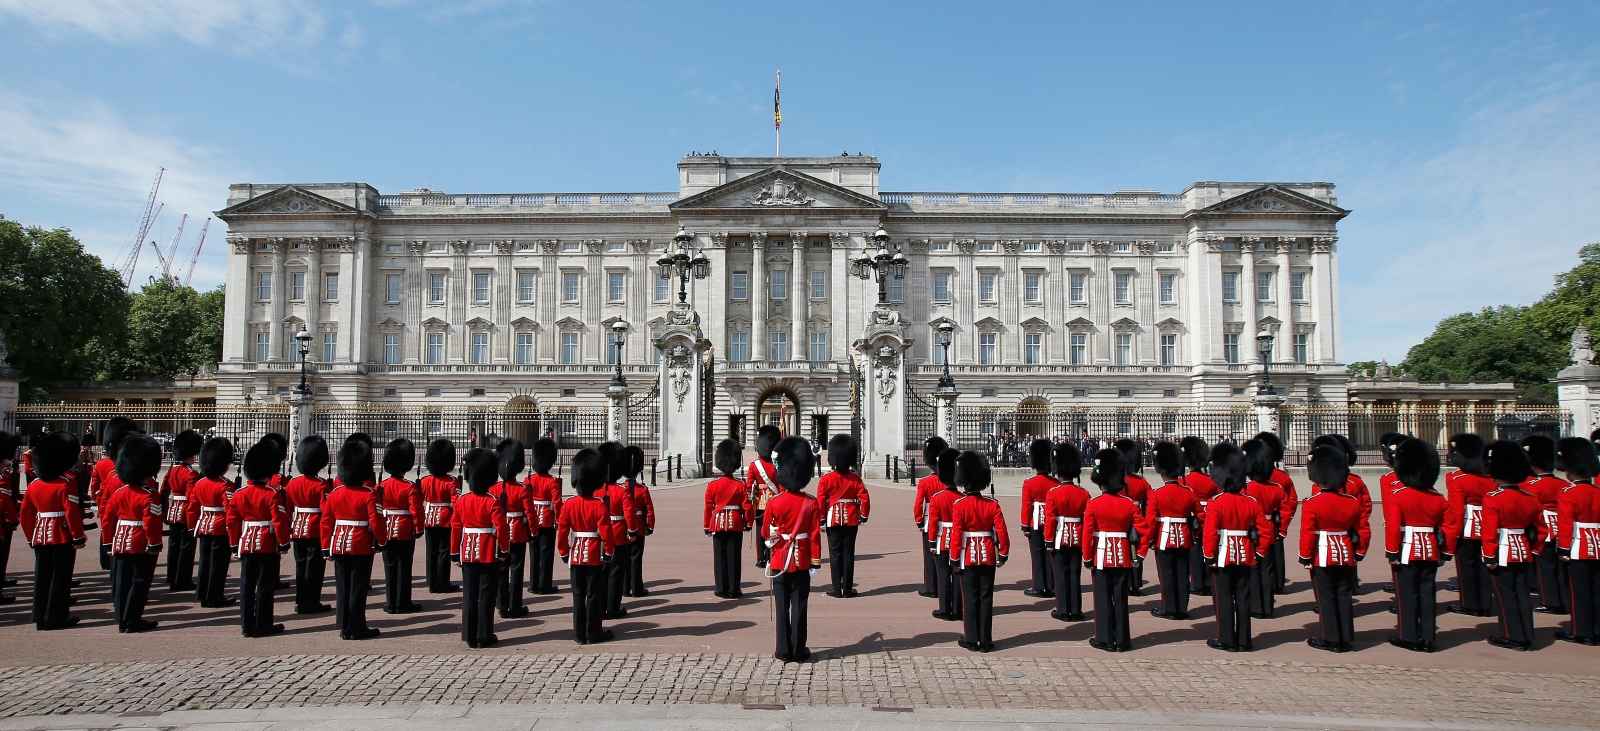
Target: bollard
912,465
888,465
678,474
652,471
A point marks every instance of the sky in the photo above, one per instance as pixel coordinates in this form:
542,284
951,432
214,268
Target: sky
1465,137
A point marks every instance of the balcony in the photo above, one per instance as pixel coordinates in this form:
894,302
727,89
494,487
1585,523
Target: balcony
782,367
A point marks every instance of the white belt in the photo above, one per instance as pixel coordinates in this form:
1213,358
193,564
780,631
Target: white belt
1166,524
395,513
1550,517
129,524
943,524
1104,538
62,514
209,509
307,510
350,523
436,505
619,517
733,507
1409,539
578,534
1469,518
518,514
178,498
974,535
1504,554
1322,543
542,503
1575,526
1222,551
795,537
257,524
1174,520
477,531
1061,527
847,500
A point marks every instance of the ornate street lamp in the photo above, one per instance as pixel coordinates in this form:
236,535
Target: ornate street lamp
881,264
1264,349
619,335
303,343
946,331
683,262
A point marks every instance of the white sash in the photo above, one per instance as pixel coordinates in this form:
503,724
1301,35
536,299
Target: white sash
1225,542
1061,530
1168,531
1408,542
1103,539
1504,554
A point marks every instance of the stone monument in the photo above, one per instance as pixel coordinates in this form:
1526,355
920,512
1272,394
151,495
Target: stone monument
10,379
680,386
881,355
1578,385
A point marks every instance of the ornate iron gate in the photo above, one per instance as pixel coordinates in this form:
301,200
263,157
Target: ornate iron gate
921,420
708,414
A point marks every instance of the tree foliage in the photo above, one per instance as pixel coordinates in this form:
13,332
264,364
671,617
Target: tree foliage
172,331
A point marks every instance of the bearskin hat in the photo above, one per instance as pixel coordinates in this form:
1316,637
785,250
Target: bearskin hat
187,444
138,459
544,455
1388,442
1594,436
590,470
728,456
399,457
843,452
355,463
116,430
1328,467
635,460
1132,455
216,457
88,440
1541,451
512,460
1329,440
972,472
1230,468
1507,462
947,467
930,452
1576,457
767,440
54,454
1196,453
792,457
1349,448
1109,472
1416,463
1039,456
260,461
1274,444
8,445
1169,460
609,451
466,463
480,466
440,458
280,447
1466,453
311,457
359,437
1258,457
1068,462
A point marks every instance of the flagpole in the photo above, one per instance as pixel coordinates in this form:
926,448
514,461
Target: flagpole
777,116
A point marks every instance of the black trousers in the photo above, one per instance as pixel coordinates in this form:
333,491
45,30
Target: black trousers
1067,565
977,598
508,594
106,564
1230,595
6,532
52,584
930,574
133,572
1416,597
949,585
479,584
763,551
180,557
1513,586
1553,583
616,574
1280,577
1137,582
542,560
309,569
1043,577
1172,567
1111,605
725,561
791,593
352,577
213,568
1584,580
436,559
1477,587
397,558
258,581
633,570
842,557
1199,573
1263,595
1335,590
588,601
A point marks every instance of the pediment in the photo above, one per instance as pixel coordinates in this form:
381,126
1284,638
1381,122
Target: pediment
479,323
1274,200
289,200
1125,323
524,323
434,323
1080,323
989,324
569,323
1035,323
777,189
389,324
937,321
1171,323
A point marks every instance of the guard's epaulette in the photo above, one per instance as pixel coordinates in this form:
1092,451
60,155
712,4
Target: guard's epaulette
1495,491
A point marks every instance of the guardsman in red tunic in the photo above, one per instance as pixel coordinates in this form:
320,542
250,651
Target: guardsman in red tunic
792,528
762,478
439,492
1035,491
258,531
52,523
939,522
1465,487
1274,505
845,508
1388,484
981,546
727,515
625,522
644,516
513,494
480,538
1138,491
1236,536
1064,506
1196,457
544,505
133,516
1354,487
1552,583
1291,503
1414,541
927,487
1169,527
103,480
10,501
353,530
208,508
401,506
584,537
1578,534
1333,537
1511,543
175,499
1110,548
305,495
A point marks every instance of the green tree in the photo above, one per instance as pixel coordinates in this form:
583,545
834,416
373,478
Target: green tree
1361,366
1493,344
1575,299
172,331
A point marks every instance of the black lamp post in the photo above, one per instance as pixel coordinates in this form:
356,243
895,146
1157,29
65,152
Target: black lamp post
683,262
1264,348
303,343
619,335
945,332
881,264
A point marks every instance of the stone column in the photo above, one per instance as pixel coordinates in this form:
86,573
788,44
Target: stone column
682,409
881,351
839,295
299,422
1102,293
617,413
354,259
1266,408
314,294
459,340
236,334
547,284
758,295
799,297
1247,290
945,417
502,293
280,292
1286,296
1324,299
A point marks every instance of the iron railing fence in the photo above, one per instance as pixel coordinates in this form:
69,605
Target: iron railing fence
239,425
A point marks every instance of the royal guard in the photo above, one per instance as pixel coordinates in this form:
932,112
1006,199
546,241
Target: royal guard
544,505
1064,506
1389,484
400,505
134,518
1333,537
1169,527
939,520
52,523
1273,501
353,530
980,546
845,508
1415,542
762,479
103,480
1552,581
728,514
1138,490
479,540
276,457
208,512
1110,550
175,499
1578,533
9,504
625,526
584,537
1354,487
791,529
513,494
1291,503
644,515
1465,487
1511,542
1196,458
1035,491
927,487
305,495
1236,537
439,492
258,531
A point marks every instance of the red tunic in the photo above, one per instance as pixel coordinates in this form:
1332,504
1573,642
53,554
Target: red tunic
980,527
1388,484
792,530
1332,532
1138,490
1465,519
1274,504
1108,531
619,510
257,520
51,514
1204,489
305,497
208,506
1291,499
939,519
438,500
1412,521
1035,490
402,508
133,520
584,532
644,508
727,506
1548,489
1168,515
1511,531
1063,516
103,481
762,478
175,493
514,497
844,499
1231,520
478,528
927,487
544,500
1579,521
351,525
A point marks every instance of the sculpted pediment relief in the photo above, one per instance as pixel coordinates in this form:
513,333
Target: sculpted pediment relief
777,189
288,200
1274,199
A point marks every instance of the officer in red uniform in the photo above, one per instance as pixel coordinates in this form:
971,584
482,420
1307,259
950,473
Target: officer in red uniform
1139,491
175,499
258,531
1064,506
1552,582
1034,493
133,515
1415,544
762,478
1578,534
208,508
103,480
644,517
728,514
52,523
1466,486
544,505
1511,543
439,492
479,541
1274,505
845,508
585,535
353,530
1236,536
1387,485
513,495
939,522
1333,537
927,487
1110,548
1169,527
791,528
401,507
10,501
1291,503
1196,457
305,495
625,524
980,546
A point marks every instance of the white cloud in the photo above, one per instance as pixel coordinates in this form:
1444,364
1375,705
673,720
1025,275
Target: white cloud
240,27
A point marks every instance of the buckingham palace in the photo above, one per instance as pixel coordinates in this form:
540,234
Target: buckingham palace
1128,299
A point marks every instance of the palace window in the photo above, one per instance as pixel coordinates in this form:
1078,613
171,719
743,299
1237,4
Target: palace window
524,348
1079,347
1264,286
986,288
330,287
525,287
986,246
1032,289
1075,288
819,346
941,288
1124,348
614,284
263,346
1032,348
1168,288
1302,347
780,284
436,288
1124,288
1230,347
779,350
569,348
294,350
1031,247
738,347
740,284
663,289
897,289
297,286
1297,286
391,288
480,288
940,246
391,349
569,287
986,343
1164,248
480,348
938,352
1075,246
330,347
435,348
1230,286
819,285
1122,248
1169,349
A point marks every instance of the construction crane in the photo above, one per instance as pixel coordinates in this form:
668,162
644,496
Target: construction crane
196,256
131,253
171,257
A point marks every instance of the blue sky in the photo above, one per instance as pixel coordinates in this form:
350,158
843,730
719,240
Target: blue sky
1465,136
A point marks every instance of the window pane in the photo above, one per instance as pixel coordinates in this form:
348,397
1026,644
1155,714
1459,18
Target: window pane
480,288
524,348
391,349
941,288
1123,285
1263,285
780,346
435,287
614,286
297,286
780,284
1032,347
264,287
330,347
525,287
1230,286
330,287
569,287
263,346
1297,285
569,347
391,288
819,285
480,348
938,352
986,342
741,285
1124,349
739,347
986,287
1080,348
819,346
1075,288
663,289
1169,349
435,348
1030,287
1167,294
1230,347
1302,347
897,289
